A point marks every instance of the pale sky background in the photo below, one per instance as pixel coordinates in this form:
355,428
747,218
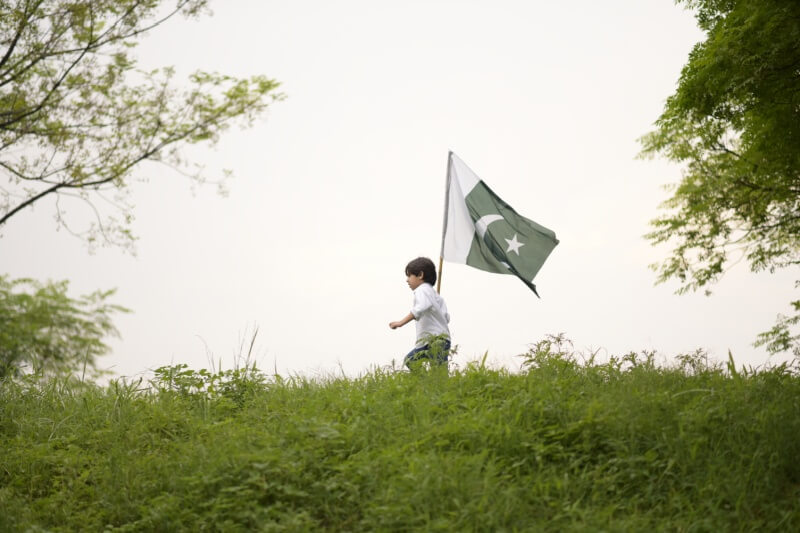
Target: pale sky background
337,187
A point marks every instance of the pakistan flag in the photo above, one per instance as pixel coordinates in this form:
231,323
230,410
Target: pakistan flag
484,232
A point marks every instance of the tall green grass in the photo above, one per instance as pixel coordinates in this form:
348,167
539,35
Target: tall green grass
564,445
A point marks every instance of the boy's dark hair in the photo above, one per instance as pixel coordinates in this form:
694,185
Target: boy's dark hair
424,265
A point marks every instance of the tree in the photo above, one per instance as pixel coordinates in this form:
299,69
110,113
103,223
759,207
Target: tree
77,116
734,125
43,329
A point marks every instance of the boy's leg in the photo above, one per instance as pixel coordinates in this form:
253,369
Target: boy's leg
439,351
445,353
436,352
416,355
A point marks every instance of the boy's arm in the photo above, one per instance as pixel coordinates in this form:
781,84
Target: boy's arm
402,322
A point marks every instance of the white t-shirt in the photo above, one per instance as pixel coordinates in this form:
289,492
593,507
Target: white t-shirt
430,313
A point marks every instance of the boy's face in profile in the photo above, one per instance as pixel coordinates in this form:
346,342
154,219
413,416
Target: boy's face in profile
414,280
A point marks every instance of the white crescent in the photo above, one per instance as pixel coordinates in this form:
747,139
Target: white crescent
482,224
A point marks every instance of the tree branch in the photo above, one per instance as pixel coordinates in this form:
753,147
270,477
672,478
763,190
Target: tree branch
30,201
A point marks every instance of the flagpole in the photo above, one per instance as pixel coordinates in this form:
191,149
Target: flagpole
444,222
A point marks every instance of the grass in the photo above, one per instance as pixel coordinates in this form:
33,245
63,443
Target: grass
564,445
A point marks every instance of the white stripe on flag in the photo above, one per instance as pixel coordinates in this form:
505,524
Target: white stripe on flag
460,227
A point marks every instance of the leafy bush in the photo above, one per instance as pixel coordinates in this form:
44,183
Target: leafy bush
44,330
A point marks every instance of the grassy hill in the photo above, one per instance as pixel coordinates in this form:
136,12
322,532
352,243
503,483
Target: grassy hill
564,445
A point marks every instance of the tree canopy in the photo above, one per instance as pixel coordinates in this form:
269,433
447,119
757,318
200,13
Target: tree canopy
77,116
734,125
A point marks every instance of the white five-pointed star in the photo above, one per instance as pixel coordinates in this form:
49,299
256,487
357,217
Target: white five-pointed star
514,244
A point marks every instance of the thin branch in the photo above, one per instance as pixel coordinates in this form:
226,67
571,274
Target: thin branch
15,40
47,97
91,45
186,174
16,172
116,205
98,217
14,74
101,41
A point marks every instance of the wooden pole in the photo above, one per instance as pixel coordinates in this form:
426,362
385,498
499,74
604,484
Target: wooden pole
444,221
439,277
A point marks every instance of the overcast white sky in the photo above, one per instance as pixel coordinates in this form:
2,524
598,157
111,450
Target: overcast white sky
338,186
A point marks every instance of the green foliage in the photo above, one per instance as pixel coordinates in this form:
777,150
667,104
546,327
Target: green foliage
234,385
568,444
77,116
44,330
734,125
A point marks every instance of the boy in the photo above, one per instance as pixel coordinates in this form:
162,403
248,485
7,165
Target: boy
430,312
